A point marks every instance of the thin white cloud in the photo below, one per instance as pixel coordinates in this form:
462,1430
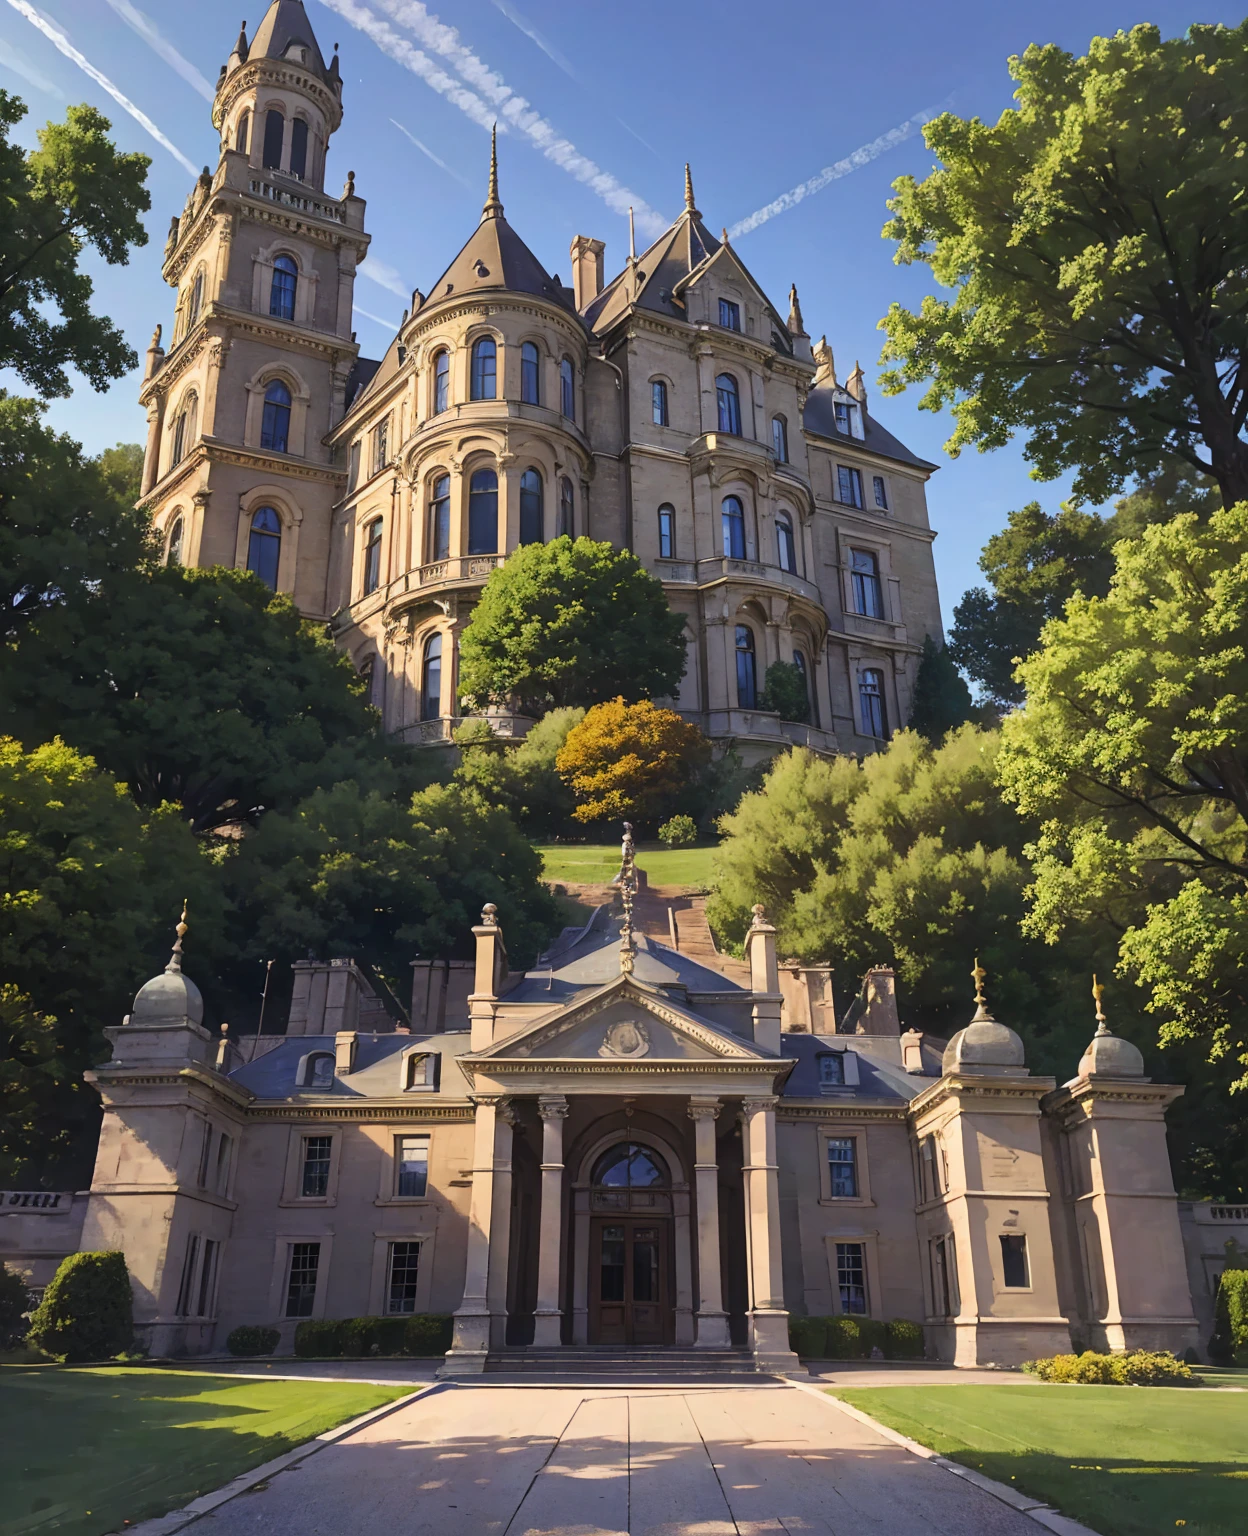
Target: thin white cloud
15,60
425,150
386,276
491,97
58,39
388,325
534,36
159,44
831,173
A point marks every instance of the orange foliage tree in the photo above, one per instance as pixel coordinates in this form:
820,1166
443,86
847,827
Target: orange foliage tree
630,761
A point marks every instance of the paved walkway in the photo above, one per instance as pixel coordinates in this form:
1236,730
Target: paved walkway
557,1461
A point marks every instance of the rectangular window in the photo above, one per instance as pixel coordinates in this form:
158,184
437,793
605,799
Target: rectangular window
851,1277
847,419
658,402
353,466
864,569
729,315
832,1070
205,1157
305,1261
871,703
316,1154
381,445
187,1288
843,1167
412,1161
223,1164
1014,1261
207,1277
667,534
881,495
401,1291
942,1291
848,486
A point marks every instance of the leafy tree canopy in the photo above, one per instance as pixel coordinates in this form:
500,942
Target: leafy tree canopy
631,761
522,779
570,624
785,691
941,698
74,191
1094,239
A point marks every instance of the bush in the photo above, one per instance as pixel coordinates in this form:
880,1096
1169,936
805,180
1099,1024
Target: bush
1138,1368
248,1341
362,1337
427,1333
679,832
87,1313
808,1337
631,762
844,1341
319,1337
905,1340
14,1304
1229,1342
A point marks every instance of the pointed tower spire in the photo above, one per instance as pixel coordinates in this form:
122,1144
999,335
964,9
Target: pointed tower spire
240,47
493,206
856,384
796,325
690,205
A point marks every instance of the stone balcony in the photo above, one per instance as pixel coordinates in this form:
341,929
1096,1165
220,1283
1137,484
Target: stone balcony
441,732
764,727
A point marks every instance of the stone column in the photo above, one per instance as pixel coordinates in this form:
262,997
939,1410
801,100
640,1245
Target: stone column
769,1321
548,1314
712,1319
500,1223
470,1340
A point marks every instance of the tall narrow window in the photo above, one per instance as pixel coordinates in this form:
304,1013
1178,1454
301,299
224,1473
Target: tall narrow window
179,438
264,546
197,299
871,702
667,533
412,1158
282,292
1014,1261
848,486
843,1167
441,382
372,556
942,1288
207,1278
174,555
186,1287
275,425
567,389
530,374
401,1292
353,465
532,515
881,492
483,513
299,148
222,1176
729,315
658,402
381,444
780,439
317,1150
440,519
785,546
484,368
729,404
242,135
567,510
747,676
431,679
851,1277
864,568
799,661
305,1261
274,135
732,518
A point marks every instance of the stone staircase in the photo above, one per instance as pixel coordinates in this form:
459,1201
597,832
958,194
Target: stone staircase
639,1363
666,912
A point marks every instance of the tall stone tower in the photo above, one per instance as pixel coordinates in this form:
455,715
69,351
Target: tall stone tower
261,354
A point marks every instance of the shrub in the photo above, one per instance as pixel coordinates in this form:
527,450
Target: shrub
1139,1368
421,1334
905,1340
319,1337
14,1304
844,1340
631,761
679,832
1229,1342
87,1313
427,1333
248,1340
808,1337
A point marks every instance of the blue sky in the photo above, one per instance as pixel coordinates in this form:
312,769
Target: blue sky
760,99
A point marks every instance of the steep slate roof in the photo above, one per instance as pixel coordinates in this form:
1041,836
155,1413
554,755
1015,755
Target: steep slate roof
375,1074
285,23
820,418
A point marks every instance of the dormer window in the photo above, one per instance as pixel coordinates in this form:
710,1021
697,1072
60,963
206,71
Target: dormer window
316,1071
848,418
420,1071
832,1070
729,315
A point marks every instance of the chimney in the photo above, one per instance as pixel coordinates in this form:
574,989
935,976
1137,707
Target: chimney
760,951
587,257
879,1013
491,972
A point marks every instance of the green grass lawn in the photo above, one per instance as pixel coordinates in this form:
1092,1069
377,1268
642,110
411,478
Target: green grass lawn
590,864
81,1450
1128,1461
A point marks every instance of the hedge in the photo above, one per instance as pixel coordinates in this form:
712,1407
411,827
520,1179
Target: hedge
247,1341
1228,1344
87,1312
853,1338
1138,1368
423,1333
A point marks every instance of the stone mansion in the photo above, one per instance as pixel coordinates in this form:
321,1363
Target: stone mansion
673,410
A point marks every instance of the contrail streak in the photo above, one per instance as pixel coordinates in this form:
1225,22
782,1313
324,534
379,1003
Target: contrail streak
159,44
534,36
12,58
390,325
386,277
59,40
830,173
491,97
425,150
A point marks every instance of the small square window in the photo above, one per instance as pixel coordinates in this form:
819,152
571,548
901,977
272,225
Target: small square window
412,1164
1014,1269
843,1167
729,315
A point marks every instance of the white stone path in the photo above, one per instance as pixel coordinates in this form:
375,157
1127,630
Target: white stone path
572,1461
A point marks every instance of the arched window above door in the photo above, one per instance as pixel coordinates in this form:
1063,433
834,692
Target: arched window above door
631,1166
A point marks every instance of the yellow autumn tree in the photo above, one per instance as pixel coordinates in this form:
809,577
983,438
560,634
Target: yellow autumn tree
630,761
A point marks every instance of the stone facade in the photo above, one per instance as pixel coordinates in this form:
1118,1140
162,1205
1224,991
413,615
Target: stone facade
673,410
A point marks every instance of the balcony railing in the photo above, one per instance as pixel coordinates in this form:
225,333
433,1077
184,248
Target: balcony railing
428,733
761,724
291,197
721,568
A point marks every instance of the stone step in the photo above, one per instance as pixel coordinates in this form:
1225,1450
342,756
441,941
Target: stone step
606,1360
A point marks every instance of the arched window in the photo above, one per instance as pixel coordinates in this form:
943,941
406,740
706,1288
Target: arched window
865,577
658,402
780,438
484,368
729,404
630,1166
530,374
299,148
440,519
733,519
667,533
532,518
282,292
871,702
747,674
567,510
197,299
179,439
785,545
275,427
320,1072
242,136
264,547
184,429
483,513
274,134
372,556
431,679
441,381
567,389
173,555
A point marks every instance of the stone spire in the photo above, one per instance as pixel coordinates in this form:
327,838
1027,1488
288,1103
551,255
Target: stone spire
493,208
690,205
628,891
797,326
825,363
856,384
240,47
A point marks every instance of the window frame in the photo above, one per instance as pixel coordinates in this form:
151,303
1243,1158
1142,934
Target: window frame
532,507
273,117
730,315
747,673
879,490
397,1192
667,531
844,1259
259,541
414,1283
483,369
731,524
844,1168
567,389
283,286
840,1130
849,487
438,529
300,147
780,439
866,585
175,540
441,397
785,534
374,533
567,508
878,716
430,662
275,414
477,513
728,404
315,1247
530,374
658,403
315,1169
1013,1254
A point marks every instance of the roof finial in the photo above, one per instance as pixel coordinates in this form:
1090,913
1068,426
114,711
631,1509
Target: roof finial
1098,992
493,206
628,889
981,1002
797,326
240,47
175,959
690,206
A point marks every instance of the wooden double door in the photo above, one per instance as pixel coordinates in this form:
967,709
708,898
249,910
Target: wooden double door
630,1280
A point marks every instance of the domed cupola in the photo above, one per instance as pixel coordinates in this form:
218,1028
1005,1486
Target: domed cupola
1108,1055
985,1047
166,1023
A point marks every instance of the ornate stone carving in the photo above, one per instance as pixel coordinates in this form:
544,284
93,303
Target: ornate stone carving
627,1038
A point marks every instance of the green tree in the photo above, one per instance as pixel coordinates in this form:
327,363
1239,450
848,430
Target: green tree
73,192
1093,240
785,691
87,1313
631,762
569,624
521,778
941,699
122,467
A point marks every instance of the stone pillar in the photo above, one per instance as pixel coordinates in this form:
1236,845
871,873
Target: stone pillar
760,951
470,1341
712,1319
500,1223
548,1315
769,1321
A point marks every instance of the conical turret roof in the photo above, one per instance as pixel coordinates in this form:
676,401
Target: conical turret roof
286,25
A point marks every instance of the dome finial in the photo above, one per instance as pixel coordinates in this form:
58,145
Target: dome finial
493,206
175,959
690,206
1098,992
981,1002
